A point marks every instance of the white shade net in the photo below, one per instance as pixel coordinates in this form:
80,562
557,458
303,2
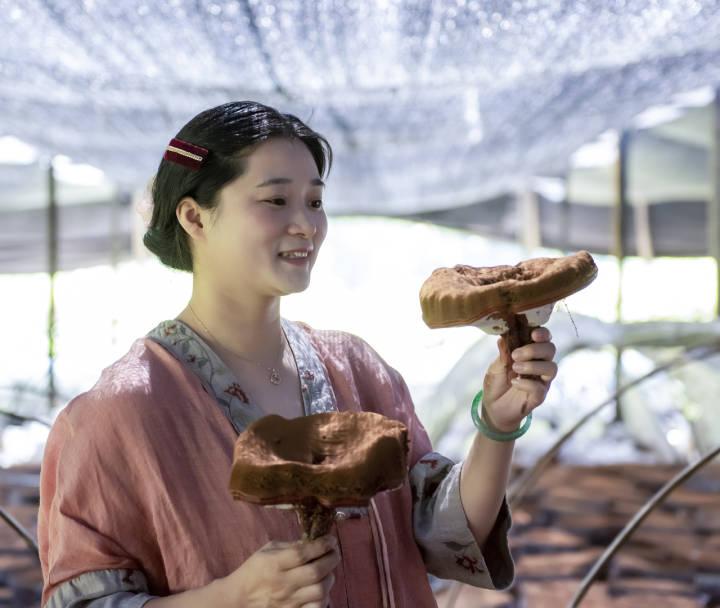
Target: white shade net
428,104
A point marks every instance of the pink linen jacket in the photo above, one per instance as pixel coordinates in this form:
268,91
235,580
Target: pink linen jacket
134,500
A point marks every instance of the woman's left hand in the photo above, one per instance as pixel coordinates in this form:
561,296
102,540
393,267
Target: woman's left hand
505,404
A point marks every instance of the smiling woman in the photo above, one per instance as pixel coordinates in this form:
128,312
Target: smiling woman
135,507
261,218
229,134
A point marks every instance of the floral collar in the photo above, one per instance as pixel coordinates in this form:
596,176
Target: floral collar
189,348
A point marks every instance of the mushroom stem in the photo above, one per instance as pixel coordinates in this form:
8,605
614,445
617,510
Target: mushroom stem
517,335
315,519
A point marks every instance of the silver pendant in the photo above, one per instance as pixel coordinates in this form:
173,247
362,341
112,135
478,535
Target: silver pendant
274,377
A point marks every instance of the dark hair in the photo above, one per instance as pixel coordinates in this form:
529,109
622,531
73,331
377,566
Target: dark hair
230,132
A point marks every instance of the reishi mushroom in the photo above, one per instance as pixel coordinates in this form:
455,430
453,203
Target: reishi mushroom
319,462
504,300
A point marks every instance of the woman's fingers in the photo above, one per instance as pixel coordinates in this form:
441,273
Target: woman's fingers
294,555
313,581
535,390
315,571
316,595
547,370
536,350
541,334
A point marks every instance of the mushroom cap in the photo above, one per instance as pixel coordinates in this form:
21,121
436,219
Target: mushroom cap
336,458
464,294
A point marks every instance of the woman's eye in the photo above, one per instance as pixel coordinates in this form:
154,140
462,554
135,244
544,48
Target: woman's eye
317,204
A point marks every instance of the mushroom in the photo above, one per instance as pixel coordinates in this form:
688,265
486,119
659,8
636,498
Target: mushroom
317,463
504,300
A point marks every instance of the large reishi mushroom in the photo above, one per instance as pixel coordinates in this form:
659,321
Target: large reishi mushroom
318,463
504,300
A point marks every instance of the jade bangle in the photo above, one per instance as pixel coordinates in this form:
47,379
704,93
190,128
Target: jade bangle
493,434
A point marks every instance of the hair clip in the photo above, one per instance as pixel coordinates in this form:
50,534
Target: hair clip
186,154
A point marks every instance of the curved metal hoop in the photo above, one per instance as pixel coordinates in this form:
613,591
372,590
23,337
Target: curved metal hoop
519,487
22,418
635,522
17,526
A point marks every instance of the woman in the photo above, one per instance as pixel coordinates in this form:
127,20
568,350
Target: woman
134,507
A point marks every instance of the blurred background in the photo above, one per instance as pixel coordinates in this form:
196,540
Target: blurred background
464,132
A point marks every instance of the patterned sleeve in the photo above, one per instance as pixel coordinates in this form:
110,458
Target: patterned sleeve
102,589
443,534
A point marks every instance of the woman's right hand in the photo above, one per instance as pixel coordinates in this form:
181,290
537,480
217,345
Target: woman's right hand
284,575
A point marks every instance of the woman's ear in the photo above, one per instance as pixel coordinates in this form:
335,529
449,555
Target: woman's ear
189,215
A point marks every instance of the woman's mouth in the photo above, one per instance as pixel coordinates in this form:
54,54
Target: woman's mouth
295,260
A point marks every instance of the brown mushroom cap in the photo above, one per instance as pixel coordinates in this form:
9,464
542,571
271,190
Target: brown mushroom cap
337,459
464,294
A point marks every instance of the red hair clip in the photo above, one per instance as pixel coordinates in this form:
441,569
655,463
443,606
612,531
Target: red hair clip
186,154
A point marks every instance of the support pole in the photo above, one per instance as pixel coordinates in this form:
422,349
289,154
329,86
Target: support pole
620,244
643,230
530,233
565,215
713,214
52,251
115,252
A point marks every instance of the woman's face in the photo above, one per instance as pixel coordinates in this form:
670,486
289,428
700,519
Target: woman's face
275,206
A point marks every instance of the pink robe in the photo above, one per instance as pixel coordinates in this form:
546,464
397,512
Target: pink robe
134,483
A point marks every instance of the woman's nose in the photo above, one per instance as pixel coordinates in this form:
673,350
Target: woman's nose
305,222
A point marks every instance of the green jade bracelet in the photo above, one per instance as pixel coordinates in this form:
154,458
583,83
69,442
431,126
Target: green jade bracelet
494,434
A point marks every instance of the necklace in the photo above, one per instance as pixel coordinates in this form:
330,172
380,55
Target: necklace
274,377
